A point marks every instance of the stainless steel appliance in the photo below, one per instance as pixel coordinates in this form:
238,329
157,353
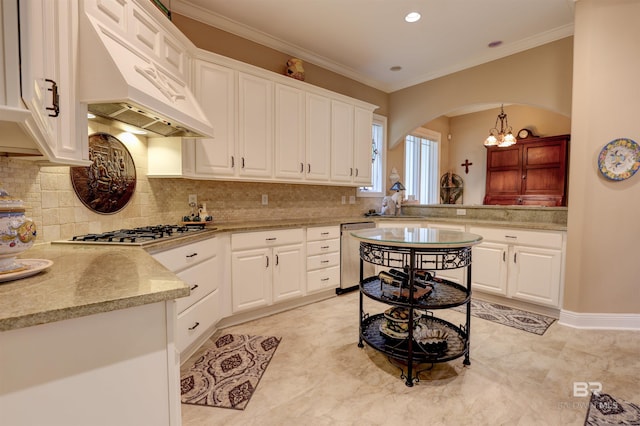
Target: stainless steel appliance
350,257
137,236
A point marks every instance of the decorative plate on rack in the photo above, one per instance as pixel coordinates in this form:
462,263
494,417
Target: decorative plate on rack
619,159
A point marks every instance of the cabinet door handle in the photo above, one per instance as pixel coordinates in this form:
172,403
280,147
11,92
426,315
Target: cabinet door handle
243,162
233,162
192,255
350,171
194,287
301,167
55,102
356,172
267,261
194,326
504,256
514,257
308,167
277,260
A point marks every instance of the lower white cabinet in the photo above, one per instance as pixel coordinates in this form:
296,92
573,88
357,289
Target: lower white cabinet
266,268
199,264
323,258
520,264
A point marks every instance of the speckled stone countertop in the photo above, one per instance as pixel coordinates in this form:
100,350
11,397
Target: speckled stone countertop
90,279
85,280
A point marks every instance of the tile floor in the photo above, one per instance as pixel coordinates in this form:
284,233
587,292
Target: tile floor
319,376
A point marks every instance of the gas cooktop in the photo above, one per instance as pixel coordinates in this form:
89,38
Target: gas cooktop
137,236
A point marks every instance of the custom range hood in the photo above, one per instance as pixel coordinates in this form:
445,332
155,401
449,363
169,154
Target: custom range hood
132,67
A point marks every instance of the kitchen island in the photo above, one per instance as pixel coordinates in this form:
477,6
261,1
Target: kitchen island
416,251
90,340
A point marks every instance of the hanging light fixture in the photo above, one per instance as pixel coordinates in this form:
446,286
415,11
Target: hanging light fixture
503,137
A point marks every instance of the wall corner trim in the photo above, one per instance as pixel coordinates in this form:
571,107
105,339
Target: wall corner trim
599,321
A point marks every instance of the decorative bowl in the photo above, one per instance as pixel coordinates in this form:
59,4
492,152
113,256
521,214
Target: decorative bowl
17,232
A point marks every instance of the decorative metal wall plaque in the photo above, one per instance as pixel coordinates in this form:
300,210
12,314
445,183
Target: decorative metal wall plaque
108,184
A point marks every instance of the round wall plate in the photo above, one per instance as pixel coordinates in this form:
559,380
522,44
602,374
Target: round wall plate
619,159
108,184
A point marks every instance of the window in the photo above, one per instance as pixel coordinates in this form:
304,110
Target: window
378,150
421,152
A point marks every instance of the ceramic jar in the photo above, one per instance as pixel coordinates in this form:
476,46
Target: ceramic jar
17,232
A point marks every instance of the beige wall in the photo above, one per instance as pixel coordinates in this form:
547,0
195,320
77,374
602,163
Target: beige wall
231,46
603,258
538,77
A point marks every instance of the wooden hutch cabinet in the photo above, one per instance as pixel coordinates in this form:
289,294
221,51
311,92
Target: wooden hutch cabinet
531,172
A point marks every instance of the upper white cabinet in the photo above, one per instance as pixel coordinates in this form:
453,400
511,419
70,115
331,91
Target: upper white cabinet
215,89
289,132
271,128
48,62
255,126
318,138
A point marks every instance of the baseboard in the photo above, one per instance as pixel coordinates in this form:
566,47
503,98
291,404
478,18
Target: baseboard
599,321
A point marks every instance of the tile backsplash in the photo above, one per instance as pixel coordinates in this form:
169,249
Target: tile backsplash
52,203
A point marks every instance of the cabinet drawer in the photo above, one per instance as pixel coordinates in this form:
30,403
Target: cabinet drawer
181,257
277,237
320,247
323,233
197,319
321,279
521,237
323,260
202,280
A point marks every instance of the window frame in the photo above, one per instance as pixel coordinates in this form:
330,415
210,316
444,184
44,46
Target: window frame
435,137
381,121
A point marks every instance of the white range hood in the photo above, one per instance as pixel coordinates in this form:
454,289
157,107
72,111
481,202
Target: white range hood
133,67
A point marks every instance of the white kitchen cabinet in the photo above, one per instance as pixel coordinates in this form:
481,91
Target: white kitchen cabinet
323,258
215,89
363,145
266,268
112,368
342,142
255,126
48,64
199,264
318,138
519,264
289,132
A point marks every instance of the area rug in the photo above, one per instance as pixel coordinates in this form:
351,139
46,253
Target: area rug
227,374
606,410
512,317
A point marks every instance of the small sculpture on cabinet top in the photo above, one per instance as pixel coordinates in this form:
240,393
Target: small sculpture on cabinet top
295,69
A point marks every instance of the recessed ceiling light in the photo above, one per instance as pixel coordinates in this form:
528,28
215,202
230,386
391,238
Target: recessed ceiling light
495,43
412,17
395,68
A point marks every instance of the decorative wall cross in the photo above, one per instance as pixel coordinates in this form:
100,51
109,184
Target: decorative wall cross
466,165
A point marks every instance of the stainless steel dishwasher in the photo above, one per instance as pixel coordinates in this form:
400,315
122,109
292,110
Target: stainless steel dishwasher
350,257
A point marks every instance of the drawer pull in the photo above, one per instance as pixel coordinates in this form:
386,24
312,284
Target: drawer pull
324,261
324,247
513,237
194,287
324,233
271,239
194,326
192,255
324,279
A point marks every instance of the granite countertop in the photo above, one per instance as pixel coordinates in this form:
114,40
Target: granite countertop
90,279
85,280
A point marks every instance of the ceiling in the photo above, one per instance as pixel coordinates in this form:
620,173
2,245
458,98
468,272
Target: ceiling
363,39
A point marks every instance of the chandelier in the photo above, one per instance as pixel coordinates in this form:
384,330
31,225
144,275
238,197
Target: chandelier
503,137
